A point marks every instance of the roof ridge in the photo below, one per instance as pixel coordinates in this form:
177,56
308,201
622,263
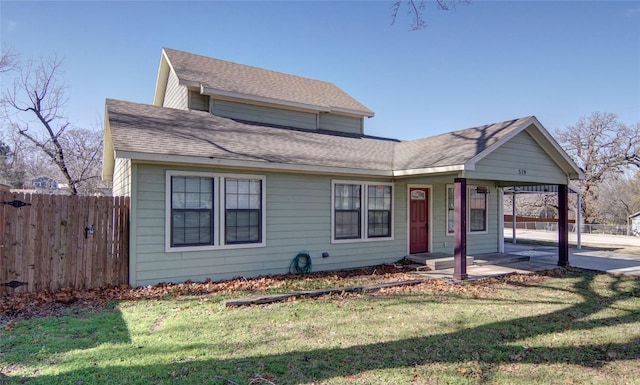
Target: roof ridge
248,82
248,66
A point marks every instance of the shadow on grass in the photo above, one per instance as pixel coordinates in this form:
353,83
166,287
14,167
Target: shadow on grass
488,346
45,339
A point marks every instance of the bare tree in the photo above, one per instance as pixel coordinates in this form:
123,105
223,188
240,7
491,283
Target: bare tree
602,146
8,61
84,157
34,109
416,10
619,197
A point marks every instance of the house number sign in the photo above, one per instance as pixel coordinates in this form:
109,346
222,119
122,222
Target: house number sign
522,172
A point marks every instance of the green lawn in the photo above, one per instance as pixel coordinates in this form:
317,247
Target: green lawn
573,328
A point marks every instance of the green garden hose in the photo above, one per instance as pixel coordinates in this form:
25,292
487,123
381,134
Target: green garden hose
301,264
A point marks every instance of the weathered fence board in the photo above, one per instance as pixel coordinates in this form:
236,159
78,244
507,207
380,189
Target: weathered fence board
62,241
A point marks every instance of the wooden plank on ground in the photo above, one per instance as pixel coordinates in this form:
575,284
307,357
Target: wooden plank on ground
315,293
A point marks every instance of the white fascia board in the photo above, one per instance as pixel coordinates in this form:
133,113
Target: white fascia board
195,160
108,154
161,80
351,112
430,170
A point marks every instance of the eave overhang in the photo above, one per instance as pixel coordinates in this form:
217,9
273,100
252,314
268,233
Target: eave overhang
246,164
204,90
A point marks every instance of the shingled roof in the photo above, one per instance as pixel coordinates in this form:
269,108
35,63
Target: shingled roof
453,148
140,130
150,132
233,79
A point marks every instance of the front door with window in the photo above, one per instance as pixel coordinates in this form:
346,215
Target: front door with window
418,220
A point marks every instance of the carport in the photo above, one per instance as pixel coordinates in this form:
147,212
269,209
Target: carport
544,189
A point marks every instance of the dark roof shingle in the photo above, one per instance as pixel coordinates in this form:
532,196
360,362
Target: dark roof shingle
142,128
242,79
452,148
148,129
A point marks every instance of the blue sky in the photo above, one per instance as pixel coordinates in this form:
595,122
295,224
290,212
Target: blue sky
479,63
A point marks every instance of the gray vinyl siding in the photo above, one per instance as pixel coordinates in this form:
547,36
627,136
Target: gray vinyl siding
341,123
175,95
262,114
122,177
521,159
198,101
298,218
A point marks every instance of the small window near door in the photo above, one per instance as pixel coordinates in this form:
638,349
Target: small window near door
476,209
450,210
379,211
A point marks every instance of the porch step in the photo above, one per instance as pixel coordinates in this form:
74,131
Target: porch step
445,263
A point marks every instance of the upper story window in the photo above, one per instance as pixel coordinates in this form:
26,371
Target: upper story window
477,218
206,210
361,211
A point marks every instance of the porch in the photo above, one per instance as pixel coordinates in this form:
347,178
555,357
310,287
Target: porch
440,261
520,258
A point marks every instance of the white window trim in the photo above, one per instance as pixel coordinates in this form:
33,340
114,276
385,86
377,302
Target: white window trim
218,211
468,213
364,209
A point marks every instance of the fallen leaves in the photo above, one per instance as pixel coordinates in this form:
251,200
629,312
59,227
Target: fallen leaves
17,306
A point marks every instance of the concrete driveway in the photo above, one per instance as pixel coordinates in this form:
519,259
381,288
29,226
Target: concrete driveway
612,259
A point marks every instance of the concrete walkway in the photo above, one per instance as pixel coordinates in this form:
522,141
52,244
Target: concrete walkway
607,257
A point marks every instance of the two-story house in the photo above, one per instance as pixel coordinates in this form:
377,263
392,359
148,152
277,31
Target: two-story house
235,170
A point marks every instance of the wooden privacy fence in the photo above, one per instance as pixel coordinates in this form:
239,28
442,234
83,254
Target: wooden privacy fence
49,242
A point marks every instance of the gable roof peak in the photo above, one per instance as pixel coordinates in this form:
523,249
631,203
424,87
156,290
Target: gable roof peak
225,78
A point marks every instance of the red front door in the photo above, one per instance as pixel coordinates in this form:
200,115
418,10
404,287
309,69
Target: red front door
419,220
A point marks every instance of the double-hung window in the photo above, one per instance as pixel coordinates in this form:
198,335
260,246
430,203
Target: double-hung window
191,211
347,214
243,210
361,211
206,210
476,210
378,211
